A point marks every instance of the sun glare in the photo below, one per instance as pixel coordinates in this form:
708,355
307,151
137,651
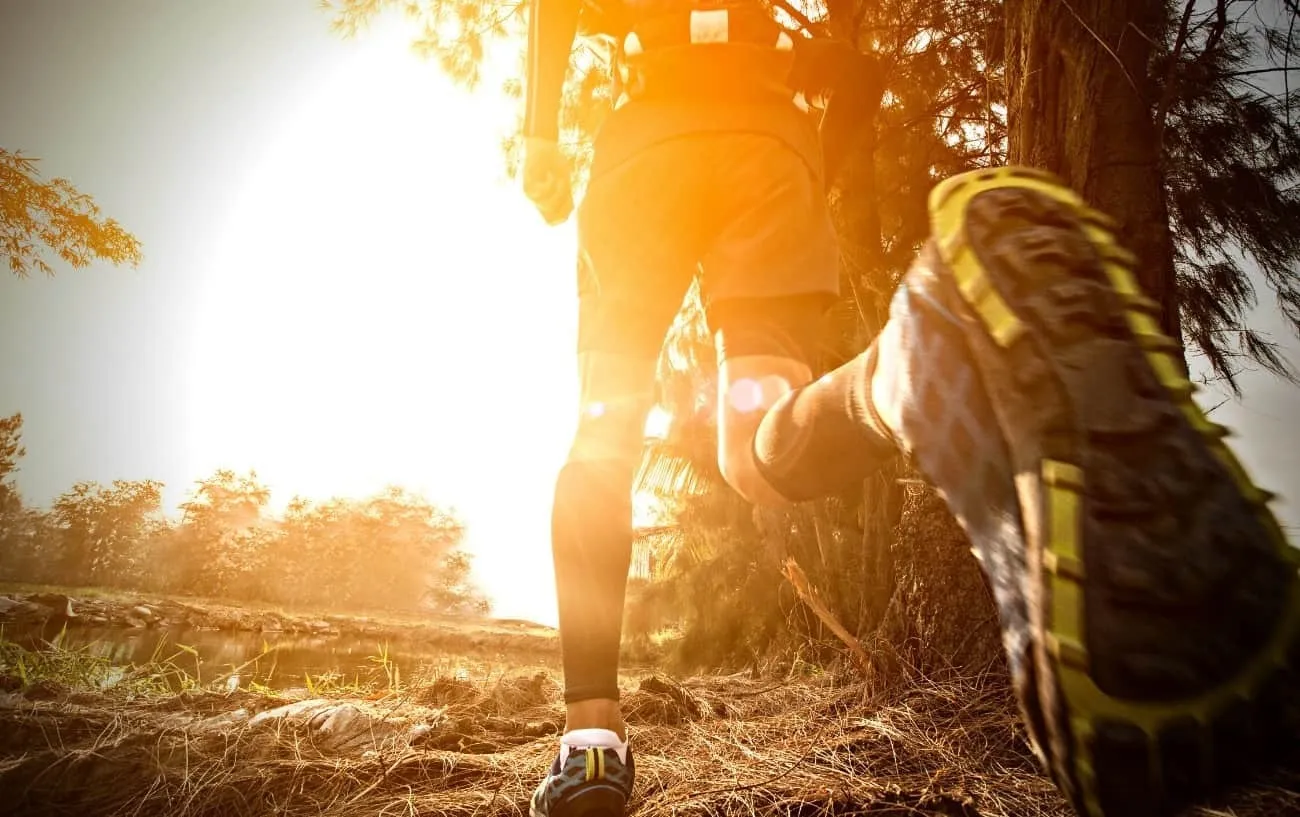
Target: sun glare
658,424
383,308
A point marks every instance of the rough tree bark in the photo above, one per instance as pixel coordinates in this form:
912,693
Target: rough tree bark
1081,103
920,599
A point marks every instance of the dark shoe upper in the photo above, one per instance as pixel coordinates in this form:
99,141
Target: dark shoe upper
586,782
928,392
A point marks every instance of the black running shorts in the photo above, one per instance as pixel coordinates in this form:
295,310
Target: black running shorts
743,211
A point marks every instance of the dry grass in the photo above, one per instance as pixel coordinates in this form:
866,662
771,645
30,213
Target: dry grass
713,745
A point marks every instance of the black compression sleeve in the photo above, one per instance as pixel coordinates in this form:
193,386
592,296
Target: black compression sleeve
552,26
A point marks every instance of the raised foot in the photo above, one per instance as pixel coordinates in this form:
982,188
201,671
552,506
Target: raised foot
1166,622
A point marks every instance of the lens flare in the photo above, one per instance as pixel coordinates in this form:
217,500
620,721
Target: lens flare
657,424
745,395
756,394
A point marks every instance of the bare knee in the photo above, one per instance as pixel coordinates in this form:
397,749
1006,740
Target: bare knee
742,474
617,392
763,345
609,436
747,388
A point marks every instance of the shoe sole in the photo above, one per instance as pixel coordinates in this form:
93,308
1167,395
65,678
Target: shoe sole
1164,597
604,801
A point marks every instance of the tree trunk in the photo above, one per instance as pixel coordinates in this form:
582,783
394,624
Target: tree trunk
1081,104
942,616
916,591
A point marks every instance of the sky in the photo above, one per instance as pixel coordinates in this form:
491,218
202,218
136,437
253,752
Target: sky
340,290
332,253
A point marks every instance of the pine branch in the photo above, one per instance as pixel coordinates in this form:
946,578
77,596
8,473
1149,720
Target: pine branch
1217,30
1286,75
1167,98
1279,69
808,594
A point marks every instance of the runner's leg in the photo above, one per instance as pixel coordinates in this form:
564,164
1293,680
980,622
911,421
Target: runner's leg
769,276
591,533
638,238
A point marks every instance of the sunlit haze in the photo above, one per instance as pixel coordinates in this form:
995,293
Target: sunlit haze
409,318
371,303
341,290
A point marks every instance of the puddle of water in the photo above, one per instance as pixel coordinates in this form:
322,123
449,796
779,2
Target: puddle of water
294,656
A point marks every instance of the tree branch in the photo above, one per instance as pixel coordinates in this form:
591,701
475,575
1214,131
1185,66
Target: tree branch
1286,76
798,16
1167,94
1216,31
1278,69
809,596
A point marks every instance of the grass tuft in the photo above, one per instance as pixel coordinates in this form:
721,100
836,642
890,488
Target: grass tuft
457,740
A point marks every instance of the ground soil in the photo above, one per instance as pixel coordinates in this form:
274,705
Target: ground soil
464,634
716,745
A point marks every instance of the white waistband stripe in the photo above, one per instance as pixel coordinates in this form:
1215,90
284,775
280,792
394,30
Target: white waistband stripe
710,26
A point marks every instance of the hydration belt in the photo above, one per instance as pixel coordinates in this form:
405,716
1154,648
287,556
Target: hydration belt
685,54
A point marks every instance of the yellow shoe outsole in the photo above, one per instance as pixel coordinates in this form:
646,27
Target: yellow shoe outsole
1056,507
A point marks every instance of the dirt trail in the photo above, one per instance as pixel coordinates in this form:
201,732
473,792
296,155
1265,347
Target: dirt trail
443,745
454,633
715,746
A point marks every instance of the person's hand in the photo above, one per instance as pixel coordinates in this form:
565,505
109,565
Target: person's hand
546,179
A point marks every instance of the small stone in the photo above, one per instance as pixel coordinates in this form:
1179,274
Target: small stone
57,603
16,609
342,719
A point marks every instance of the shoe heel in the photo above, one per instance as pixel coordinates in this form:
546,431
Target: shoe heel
604,801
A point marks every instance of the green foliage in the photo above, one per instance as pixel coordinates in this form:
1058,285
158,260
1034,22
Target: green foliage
721,599
11,449
456,33
105,531
19,527
55,665
37,216
391,551
220,547
393,548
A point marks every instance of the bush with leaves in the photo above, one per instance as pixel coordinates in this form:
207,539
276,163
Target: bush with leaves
391,551
104,533
19,549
